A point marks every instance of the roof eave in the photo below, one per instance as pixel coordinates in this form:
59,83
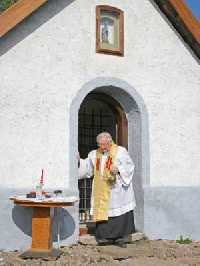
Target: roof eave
16,13
182,19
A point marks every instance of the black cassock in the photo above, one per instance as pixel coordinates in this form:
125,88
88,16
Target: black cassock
118,227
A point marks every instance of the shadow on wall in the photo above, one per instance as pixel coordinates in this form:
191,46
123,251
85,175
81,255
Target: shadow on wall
65,222
31,23
22,217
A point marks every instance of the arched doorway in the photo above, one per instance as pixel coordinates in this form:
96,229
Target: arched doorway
98,112
138,134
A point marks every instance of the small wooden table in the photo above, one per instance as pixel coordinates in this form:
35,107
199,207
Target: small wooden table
42,244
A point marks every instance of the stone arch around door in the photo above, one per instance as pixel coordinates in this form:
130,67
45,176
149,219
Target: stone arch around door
138,132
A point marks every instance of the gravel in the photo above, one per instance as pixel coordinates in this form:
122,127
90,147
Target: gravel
140,253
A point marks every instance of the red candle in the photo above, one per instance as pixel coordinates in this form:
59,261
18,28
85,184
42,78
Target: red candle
41,179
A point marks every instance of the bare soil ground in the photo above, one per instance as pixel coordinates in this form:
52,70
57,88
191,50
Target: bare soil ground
140,253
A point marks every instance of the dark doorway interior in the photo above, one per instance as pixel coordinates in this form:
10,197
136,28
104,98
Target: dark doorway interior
98,112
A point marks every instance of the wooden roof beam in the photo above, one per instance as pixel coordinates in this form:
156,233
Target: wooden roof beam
16,13
189,19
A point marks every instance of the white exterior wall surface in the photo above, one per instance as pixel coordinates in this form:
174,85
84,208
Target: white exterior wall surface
43,73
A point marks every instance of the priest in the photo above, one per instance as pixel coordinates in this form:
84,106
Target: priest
112,200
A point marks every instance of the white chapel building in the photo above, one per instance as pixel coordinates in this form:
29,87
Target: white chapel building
70,69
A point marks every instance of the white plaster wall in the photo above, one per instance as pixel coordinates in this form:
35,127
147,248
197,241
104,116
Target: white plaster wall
41,74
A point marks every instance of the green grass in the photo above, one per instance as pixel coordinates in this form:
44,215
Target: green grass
183,240
4,4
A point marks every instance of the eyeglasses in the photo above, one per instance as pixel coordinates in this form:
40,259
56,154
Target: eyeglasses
103,144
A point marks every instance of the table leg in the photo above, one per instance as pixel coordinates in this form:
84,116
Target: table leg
41,229
41,235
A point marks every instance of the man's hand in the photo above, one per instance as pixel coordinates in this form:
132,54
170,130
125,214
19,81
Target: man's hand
114,170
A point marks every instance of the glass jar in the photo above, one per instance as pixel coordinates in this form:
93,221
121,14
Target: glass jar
38,191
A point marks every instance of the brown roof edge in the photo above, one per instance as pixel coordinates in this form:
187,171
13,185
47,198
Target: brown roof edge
16,13
187,16
183,20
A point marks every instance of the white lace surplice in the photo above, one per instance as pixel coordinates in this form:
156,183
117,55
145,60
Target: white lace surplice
122,197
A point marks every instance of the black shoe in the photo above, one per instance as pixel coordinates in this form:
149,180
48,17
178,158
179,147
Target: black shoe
104,242
120,244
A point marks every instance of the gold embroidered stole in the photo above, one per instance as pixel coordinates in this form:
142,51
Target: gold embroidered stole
102,186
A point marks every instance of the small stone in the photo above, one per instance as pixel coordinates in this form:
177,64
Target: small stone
137,236
87,240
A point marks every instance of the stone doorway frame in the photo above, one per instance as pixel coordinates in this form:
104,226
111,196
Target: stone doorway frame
138,133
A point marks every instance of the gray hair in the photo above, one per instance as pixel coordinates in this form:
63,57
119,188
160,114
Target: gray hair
105,135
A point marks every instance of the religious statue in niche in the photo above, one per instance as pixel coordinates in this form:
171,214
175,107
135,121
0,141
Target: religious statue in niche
110,32
107,30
